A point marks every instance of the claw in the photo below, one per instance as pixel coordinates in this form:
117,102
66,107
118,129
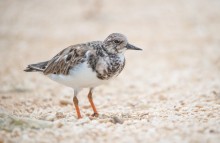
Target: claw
95,115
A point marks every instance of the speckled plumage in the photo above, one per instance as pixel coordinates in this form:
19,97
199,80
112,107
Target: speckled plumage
86,65
91,52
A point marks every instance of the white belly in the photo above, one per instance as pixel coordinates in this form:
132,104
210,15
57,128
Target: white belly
80,76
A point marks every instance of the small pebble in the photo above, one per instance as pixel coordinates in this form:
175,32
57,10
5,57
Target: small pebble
116,120
65,102
60,115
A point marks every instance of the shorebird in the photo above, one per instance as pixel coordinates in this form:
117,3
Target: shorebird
86,65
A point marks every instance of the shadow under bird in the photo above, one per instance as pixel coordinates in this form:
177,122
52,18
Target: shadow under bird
86,65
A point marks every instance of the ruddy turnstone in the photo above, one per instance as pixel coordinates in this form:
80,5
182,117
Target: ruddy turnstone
86,65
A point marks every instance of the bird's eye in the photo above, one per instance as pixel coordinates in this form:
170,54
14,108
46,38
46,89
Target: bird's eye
116,41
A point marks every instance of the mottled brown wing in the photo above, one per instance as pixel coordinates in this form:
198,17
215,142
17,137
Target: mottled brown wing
66,59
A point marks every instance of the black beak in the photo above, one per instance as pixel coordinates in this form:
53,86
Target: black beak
131,47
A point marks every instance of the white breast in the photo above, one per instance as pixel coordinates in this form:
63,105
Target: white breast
80,76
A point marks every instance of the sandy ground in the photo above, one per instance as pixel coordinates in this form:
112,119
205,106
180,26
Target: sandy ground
169,92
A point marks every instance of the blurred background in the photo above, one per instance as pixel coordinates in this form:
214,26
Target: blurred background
173,85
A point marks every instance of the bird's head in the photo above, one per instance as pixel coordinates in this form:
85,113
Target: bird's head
118,43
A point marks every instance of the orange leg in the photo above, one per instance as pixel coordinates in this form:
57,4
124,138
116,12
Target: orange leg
95,114
76,104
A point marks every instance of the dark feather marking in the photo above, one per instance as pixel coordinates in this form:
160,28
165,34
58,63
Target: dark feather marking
68,57
114,68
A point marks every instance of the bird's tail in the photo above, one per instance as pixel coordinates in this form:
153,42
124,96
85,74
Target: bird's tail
39,67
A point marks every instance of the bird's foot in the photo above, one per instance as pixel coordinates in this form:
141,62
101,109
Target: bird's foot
79,117
95,115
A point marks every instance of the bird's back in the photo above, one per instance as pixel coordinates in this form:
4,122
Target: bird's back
65,59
